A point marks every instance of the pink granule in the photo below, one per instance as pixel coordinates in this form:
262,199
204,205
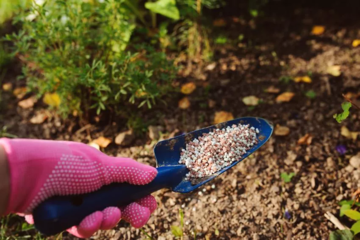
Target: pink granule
217,149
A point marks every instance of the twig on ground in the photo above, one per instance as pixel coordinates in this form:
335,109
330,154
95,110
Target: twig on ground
335,221
350,101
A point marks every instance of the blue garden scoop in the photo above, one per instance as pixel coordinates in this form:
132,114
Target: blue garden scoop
62,212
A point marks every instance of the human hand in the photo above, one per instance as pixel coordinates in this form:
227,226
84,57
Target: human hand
40,169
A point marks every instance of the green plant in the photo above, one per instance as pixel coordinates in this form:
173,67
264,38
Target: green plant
342,116
347,210
4,133
81,51
310,94
287,177
9,8
178,231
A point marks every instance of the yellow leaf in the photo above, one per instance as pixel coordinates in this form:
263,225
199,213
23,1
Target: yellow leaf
334,70
102,142
184,103
223,116
7,87
285,97
281,130
188,88
250,100
27,103
305,140
356,43
20,92
318,30
52,99
305,79
348,134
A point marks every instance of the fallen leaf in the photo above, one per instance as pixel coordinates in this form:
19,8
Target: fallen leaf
211,66
281,130
222,116
305,140
334,70
285,97
102,141
272,89
211,103
39,117
318,30
184,103
7,87
94,145
348,134
356,43
20,92
140,93
188,88
250,101
219,22
52,99
27,103
305,79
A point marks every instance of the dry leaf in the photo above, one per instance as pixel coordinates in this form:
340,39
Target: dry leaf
222,116
184,103
211,103
272,89
94,145
7,87
211,66
305,79
285,97
39,117
334,70
356,43
188,88
140,93
250,101
27,103
318,30
102,142
305,140
52,99
281,130
348,134
219,22
20,92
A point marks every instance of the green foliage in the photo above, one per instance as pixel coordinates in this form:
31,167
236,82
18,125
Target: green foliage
310,94
178,231
345,234
346,111
166,8
287,177
344,208
353,214
4,133
78,49
356,227
10,7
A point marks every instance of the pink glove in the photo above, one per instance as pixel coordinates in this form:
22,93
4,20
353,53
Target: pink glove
40,169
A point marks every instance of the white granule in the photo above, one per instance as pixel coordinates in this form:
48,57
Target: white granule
217,149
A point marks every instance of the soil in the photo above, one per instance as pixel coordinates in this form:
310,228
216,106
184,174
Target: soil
249,201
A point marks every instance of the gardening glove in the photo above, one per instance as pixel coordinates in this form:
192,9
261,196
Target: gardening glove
40,169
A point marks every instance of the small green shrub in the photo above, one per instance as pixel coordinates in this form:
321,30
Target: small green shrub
81,51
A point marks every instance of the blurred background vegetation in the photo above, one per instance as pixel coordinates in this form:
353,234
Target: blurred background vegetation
92,56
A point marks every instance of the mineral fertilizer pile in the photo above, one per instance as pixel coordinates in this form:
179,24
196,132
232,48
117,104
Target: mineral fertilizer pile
217,149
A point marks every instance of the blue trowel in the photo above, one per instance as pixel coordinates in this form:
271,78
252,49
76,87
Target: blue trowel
62,212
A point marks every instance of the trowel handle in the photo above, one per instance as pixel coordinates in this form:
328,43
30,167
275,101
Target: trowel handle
62,212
